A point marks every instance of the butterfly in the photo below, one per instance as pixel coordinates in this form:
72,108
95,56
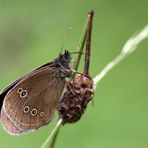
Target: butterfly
30,102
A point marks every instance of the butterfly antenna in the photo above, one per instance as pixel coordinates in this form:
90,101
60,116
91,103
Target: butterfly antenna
65,38
88,42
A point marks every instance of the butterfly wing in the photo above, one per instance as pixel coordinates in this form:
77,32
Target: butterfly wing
31,103
5,91
8,125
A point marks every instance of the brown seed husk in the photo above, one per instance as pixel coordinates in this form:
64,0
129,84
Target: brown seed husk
74,101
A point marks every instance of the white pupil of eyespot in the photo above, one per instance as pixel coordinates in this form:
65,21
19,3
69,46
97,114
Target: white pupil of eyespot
34,111
23,93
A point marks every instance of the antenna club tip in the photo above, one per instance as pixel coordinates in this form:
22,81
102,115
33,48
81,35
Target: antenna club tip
90,12
70,28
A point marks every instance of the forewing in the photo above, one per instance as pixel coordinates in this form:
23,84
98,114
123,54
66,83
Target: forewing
10,86
43,88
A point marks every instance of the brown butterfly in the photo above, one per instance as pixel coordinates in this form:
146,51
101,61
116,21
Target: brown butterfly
30,102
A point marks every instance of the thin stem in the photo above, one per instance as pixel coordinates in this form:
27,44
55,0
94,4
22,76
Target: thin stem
128,48
54,138
80,48
46,143
107,68
88,42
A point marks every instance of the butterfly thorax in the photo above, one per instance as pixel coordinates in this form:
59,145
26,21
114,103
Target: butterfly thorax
62,64
63,60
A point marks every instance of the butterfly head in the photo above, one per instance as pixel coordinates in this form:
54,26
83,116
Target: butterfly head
63,60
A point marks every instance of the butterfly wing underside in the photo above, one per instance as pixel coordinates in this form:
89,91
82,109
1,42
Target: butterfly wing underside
31,103
5,91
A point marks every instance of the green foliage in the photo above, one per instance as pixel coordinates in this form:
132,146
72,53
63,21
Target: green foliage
31,33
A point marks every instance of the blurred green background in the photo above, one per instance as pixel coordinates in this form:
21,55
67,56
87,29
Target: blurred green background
31,34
